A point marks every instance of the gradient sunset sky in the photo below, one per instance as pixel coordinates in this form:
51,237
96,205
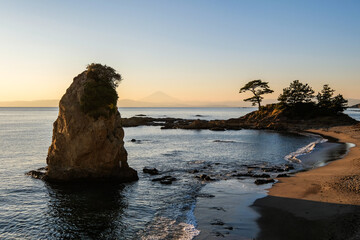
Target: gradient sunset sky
192,50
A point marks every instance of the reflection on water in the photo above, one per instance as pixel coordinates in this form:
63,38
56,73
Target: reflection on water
86,211
31,209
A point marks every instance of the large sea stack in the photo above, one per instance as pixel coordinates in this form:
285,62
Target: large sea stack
87,142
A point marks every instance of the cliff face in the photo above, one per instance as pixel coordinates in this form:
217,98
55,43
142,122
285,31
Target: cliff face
85,148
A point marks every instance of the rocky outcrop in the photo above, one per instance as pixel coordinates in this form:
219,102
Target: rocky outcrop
355,106
273,118
267,118
84,147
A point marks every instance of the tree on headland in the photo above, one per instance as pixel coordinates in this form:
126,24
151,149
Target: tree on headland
296,93
324,97
258,88
326,101
100,96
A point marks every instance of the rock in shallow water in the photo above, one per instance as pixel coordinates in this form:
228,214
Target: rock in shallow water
84,147
205,177
151,171
282,175
165,179
263,181
217,222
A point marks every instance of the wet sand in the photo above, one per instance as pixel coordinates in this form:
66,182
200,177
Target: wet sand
323,203
225,214
336,182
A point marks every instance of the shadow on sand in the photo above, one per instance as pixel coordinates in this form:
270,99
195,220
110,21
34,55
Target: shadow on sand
285,218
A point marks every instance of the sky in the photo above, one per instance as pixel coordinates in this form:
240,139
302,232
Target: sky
202,50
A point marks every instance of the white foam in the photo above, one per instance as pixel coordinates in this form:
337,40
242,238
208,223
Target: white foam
293,157
189,230
165,228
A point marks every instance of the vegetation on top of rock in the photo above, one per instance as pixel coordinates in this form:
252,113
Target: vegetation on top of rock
258,88
100,96
328,103
296,93
297,101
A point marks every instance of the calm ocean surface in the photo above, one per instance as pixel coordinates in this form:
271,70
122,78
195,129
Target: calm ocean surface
32,209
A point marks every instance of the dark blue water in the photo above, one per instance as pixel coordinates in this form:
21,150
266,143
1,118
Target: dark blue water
32,209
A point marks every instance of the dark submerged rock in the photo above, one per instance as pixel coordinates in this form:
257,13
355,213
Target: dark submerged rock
263,181
283,175
218,208
205,195
36,174
205,177
217,222
151,171
264,175
165,179
218,234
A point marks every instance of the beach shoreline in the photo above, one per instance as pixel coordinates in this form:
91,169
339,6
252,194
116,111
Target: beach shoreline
325,199
313,204
301,186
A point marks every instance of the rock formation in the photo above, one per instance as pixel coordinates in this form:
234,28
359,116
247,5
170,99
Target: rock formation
84,147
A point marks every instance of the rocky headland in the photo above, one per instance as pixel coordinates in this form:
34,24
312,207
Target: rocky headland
269,117
86,146
355,106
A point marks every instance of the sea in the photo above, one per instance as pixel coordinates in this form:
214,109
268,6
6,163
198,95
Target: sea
146,209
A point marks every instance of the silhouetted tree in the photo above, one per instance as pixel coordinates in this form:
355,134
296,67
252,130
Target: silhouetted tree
325,96
328,103
339,104
296,93
258,88
100,96
103,73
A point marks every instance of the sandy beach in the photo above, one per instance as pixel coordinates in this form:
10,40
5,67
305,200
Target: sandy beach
337,182
323,203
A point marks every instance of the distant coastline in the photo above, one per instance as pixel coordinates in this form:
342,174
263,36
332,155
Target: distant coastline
125,103
128,103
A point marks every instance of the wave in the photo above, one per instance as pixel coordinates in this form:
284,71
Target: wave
165,228
293,157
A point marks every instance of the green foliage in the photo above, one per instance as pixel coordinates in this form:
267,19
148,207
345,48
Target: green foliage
339,104
328,103
297,93
324,97
258,88
297,101
100,96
